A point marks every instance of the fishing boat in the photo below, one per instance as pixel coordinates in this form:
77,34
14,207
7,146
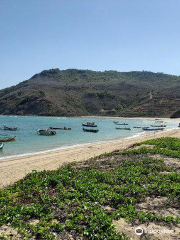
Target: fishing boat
60,128
115,121
7,139
118,128
1,146
161,125
152,129
90,130
66,128
46,132
89,124
121,123
159,121
9,128
137,127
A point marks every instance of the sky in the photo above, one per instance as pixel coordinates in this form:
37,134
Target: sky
122,35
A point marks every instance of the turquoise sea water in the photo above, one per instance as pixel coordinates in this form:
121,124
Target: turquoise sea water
29,142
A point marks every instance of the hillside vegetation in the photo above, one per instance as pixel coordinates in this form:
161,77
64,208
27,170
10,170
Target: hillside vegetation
91,199
74,92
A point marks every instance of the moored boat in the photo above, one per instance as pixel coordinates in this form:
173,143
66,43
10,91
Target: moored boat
152,129
159,120
1,146
89,124
115,121
137,127
9,128
90,130
66,128
121,123
46,132
60,128
7,139
161,125
118,128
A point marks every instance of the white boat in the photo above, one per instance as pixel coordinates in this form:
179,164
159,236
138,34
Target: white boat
159,121
89,124
1,146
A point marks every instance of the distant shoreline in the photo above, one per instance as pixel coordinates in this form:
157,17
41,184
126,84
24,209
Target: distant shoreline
145,118
98,116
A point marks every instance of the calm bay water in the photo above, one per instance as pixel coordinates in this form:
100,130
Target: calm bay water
29,141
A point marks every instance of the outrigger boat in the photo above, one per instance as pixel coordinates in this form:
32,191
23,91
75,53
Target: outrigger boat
1,146
90,130
89,124
58,128
46,132
118,128
9,128
152,129
6,139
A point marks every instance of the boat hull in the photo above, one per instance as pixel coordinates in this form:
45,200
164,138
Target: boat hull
46,132
158,126
90,130
115,122
123,128
89,125
57,128
152,129
9,128
8,139
1,146
124,124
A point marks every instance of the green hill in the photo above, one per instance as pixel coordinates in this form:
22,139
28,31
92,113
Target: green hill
74,92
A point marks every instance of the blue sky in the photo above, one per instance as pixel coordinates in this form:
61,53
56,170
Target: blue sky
121,35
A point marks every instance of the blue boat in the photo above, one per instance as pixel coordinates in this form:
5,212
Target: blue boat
9,128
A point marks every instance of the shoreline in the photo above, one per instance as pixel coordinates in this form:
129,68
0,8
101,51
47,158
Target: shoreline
143,118
14,169
98,116
14,157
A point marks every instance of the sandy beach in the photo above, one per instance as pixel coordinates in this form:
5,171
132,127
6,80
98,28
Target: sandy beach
11,170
